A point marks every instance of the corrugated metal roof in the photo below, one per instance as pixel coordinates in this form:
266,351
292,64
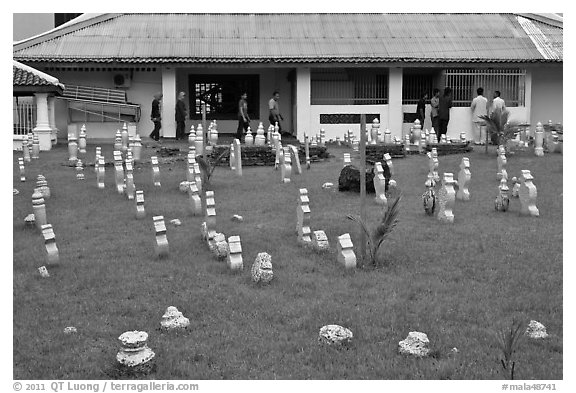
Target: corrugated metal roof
295,38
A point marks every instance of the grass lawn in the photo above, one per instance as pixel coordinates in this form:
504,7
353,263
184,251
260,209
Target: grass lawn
458,283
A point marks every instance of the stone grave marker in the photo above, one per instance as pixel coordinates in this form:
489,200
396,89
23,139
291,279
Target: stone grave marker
464,177
303,218
52,256
249,139
155,171
322,141
237,157
119,171
347,160
416,344
161,238
335,335
82,140
260,138
346,256
422,144
388,160
528,194
433,164
199,141
174,320
501,162
130,187
539,140
79,170
380,185
140,211
295,159
39,209
35,147
43,272
101,172
137,148
307,151
407,143
42,185
502,201
429,196
387,137
234,260
195,200
96,157
134,355
446,198
515,187
285,165
72,148
314,141
198,177
25,151
261,271
118,140
320,241
210,217
232,159
22,169
417,132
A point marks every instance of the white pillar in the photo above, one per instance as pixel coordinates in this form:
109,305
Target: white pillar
303,121
52,118
168,102
43,121
395,114
528,96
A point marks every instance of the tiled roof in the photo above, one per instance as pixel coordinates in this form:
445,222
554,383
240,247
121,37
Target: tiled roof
25,76
297,38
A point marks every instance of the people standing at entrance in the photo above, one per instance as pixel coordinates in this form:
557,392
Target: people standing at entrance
275,115
155,116
434,103
421,109
444,112
498,103
243,118
180,116
479,108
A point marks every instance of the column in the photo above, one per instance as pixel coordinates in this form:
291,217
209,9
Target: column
168,102
43,121
395,114
528,97
52,118
303,121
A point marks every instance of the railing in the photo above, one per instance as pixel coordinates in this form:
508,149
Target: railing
91,93
348,87
24,118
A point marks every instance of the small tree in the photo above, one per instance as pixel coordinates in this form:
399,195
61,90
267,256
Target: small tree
499,127
207,166
382,230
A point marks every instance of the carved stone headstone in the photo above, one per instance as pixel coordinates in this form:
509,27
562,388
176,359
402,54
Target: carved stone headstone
380,185
43,272
307,151
539,140
161,246
515,187
295,159
198,177
52,255
174,320
72,148
528,194
303,218
210,217
22,169
320,241
464,177
234,260
429,196
335,335
502,200
130,187
322,141
140,211
433,164
119,171
416,344
501,163
417,132
100,176
137,148
536,330
387,137
96,158
39,209
286,166
261,271
346,256
249,139
155,171
218,246
446,198
407,143
422,145
134,354
25,151
199,140
195,200
79,170
237,157
42,186
35,147
347,160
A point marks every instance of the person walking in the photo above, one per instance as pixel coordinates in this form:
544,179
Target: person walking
155,116
421,109
180,116
434,104
274,108
243,118
479,108
444,112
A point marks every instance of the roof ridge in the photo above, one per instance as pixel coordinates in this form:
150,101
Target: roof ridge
40,74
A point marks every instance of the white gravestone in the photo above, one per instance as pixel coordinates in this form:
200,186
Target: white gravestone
320,241
137,148
502,200
260,138
417,132
155,171
501,160
52,255
210,217
322,141
234,260
380,185
140,211
307,151
232,158
446,198
72,148
161,238
119,172
407,143
96,157
195,200
25,151
101,172
43,272
346,256
82,140
387,137
249,139
335,335
347,160
515,187
130,187
22,169
79,170
174,320
429,196
295,158
35,147
464,177
416,344
433,164
39,209
286,166
237,157
528,194
198,176
303,218
261,271
134,354
539,140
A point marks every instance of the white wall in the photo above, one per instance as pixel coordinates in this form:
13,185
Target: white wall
338,130
546,95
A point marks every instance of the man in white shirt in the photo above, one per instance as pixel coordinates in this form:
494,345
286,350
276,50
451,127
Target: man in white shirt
479,107
274,115
498,103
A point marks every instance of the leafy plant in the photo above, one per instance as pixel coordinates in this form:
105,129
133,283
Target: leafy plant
507,340
382,230
499,126
207,166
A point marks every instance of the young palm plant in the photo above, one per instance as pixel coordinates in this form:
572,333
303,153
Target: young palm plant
498,125
382,230
507,340
207,166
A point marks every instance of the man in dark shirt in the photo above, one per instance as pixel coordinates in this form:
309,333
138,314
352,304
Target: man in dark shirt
421,109
444,111
243,118
155,116
180,115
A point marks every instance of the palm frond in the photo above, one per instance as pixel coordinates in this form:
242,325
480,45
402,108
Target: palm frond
218,159
366,232
388,222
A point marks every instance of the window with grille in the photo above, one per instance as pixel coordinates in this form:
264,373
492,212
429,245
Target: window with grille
349,86
464,82
221,94
415,85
